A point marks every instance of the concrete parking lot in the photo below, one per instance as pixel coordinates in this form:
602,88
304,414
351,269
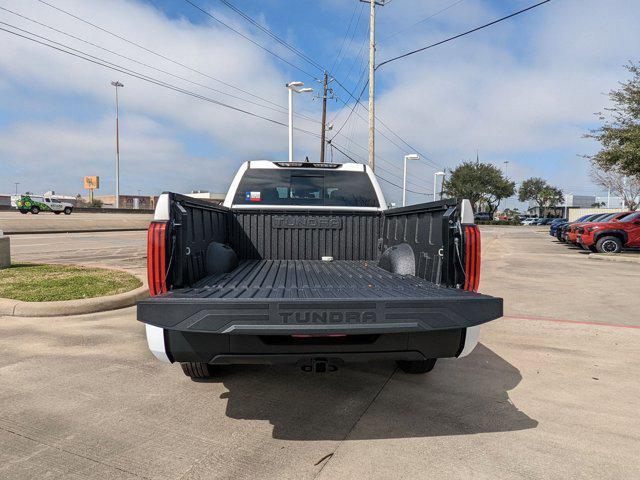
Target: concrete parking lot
119,249
551,391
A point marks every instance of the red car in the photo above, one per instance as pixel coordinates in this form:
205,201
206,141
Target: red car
612,236
572,233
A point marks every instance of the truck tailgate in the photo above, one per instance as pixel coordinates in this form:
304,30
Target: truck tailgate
276,297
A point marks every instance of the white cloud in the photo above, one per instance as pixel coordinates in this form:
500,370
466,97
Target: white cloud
523,89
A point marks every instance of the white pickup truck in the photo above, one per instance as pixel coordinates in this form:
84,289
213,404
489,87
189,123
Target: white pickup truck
304,264
36,204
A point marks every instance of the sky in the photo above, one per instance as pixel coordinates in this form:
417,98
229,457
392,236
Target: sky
524,91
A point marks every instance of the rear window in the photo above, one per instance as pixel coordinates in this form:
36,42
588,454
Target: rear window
631,217
322,188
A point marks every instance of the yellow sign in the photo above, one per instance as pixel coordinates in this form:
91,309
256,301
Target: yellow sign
91,183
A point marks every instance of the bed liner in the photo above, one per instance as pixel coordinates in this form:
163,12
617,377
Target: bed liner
263,297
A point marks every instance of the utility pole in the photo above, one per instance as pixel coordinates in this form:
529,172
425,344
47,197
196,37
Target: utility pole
117,84
372,79
324,116
16,184
372,85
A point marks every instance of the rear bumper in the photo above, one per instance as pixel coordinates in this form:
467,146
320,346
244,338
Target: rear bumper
216,349
294,331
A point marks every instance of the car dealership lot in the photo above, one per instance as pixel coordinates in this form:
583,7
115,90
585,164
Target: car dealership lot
548,393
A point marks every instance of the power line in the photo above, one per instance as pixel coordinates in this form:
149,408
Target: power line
159,55
126,71
421,21
112,66
388,163
462,34
281,109
346,34
269,32
209,76
307,73
249,39
351,38
377,176
423,156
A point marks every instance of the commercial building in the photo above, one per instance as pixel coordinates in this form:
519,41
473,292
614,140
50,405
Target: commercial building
131,202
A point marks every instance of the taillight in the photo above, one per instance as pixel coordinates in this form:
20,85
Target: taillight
472,257
157,258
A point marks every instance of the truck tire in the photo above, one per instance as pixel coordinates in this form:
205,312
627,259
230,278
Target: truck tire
417,366
35,210
67,211
197,369
24,212
57,212
609,245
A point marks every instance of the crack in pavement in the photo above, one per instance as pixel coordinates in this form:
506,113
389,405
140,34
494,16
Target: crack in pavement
331,455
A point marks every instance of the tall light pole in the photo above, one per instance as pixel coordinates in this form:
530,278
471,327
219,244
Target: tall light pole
412,156
506,164
117,84
291,86
16,184
435,184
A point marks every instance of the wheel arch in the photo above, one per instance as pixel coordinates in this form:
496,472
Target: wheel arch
621,234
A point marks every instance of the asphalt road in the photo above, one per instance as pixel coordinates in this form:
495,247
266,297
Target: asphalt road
547,394
13,221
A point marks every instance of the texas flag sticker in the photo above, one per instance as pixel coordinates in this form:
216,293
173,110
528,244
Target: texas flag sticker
253,197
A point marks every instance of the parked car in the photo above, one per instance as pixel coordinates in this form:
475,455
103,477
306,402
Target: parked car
572,232
611,236
553,225
36,204
530,221
561,229
483,216
304,264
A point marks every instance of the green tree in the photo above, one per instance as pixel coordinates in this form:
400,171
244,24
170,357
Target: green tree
481,183
619,134
537,190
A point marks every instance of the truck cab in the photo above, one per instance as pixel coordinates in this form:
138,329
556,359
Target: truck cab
304,264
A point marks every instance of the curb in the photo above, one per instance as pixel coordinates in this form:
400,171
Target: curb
611,258
18,308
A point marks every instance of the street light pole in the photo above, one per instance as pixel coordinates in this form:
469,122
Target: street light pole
16,184
506,164
413,156
117,84
291,86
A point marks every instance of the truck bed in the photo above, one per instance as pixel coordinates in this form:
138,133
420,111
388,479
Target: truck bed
275,297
